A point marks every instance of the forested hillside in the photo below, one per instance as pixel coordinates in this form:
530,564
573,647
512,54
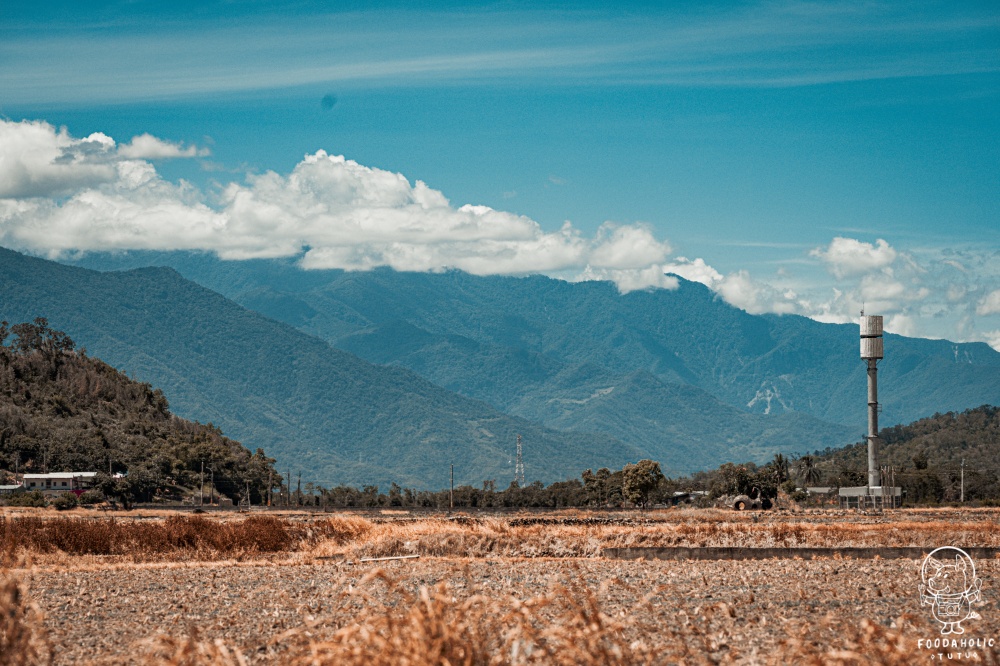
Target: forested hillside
927,457
318,410
63,411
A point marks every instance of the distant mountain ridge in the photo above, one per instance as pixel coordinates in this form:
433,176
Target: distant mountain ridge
678,374
315,408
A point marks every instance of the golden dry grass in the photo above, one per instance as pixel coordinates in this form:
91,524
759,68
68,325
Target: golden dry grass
22,636
42,537
176,537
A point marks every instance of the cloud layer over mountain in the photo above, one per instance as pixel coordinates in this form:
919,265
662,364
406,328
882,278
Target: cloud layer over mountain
61,194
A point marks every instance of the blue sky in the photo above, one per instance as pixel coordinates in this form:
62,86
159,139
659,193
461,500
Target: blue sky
797,157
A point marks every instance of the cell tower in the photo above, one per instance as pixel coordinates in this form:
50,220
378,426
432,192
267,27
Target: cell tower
519,466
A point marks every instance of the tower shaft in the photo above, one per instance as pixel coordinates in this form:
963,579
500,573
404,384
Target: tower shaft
873,473
871,353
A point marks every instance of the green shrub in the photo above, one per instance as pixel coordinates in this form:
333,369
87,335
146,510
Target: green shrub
34,498
90,498
65,501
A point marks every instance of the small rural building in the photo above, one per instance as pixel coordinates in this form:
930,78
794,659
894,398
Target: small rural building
877,497
10,490
60,482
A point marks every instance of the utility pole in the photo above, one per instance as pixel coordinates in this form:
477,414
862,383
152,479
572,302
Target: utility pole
892,483
288,492
211,487
201,495
451,495
963,480
270,485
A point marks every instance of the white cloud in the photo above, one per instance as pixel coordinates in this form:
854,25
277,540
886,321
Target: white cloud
992,338
845,257
334,211
744,292
630,279
629,246
901,324
148,147
880,293
695,271
36,160
989,304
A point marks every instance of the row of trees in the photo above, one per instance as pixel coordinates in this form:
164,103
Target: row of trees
636,485
640,484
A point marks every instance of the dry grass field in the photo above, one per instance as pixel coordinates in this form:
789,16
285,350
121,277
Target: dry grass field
523,589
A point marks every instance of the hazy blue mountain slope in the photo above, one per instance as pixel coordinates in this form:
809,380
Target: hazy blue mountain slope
676,423
336,417
680,425
522,332
764,364
500,375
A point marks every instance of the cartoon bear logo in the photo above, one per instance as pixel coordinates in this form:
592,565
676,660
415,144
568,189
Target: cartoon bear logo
950,587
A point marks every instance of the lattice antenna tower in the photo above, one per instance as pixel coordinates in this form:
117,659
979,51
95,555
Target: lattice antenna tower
519,466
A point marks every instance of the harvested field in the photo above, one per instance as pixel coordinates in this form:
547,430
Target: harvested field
486,591
46,537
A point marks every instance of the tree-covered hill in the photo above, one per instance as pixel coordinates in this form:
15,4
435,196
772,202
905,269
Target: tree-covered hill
63,411
317,409
927,457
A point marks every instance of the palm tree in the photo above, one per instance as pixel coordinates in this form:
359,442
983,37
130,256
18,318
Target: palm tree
808,470
780,465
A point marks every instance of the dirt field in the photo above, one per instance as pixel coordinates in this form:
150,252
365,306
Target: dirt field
501,606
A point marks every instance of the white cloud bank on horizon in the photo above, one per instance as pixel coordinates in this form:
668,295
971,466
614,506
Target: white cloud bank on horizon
64,194
60,194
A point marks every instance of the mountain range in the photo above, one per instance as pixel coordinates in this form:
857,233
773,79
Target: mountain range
316,409
590,377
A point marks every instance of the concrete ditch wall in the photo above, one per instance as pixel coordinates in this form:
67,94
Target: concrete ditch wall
692,553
